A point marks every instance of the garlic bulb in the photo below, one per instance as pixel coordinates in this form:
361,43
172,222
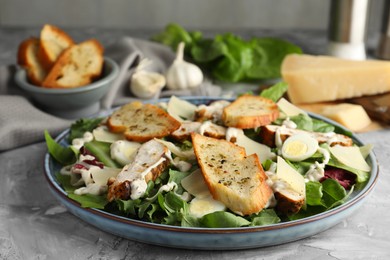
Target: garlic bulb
146,84
182,74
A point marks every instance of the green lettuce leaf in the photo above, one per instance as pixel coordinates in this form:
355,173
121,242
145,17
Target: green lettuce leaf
87,200
275,92
63,155
264,217
222,219
83,125
102,152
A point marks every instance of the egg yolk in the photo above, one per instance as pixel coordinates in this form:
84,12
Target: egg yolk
295,148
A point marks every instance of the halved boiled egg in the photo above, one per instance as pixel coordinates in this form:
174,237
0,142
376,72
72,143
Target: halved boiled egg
124,151
299,147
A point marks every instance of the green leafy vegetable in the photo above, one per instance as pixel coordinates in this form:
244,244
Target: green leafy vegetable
275,92
314,193
321,197
83,125
362,176
87,200
222,219
63,155
102,152
333,193
264,217
307,123
228,57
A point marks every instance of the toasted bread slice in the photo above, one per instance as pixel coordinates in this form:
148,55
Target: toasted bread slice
250,111
142,122
77,66
28,58
53,42
267,134
236,180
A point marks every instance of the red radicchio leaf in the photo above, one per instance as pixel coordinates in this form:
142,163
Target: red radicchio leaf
93,162
345,178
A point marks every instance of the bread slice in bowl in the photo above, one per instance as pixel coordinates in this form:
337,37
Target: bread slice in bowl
53,41
28,58
77,66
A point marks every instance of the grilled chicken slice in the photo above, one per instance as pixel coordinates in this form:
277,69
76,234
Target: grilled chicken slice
150,161
211,112
206,128
268,132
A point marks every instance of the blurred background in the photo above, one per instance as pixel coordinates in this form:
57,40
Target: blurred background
155,14
142,18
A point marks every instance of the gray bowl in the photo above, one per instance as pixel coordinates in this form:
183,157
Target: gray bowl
71,103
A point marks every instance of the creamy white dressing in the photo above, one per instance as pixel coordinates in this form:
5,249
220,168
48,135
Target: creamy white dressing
138,184
204,126
92,188
317,170
232,133
289,124
276,184
278,138
172,186
66,170
77,143
215,109
83,177
181,165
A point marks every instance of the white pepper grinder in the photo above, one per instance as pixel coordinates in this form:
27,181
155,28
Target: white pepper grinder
347,29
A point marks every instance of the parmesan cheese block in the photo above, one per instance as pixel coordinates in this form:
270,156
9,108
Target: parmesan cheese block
352,116
320,78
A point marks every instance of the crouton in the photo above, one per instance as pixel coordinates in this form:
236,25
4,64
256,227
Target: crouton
250,111
142,122
236,180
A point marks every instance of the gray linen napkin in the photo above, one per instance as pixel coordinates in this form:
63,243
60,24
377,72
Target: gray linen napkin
22,123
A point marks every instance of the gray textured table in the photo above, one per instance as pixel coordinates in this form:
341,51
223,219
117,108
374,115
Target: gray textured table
33,225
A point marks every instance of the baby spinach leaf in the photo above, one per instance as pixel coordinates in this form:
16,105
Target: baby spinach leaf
333,193
314,193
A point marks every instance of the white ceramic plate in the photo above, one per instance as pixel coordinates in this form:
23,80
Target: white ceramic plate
210,238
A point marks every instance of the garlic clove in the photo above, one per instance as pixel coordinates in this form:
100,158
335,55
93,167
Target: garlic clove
182,74
146,84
